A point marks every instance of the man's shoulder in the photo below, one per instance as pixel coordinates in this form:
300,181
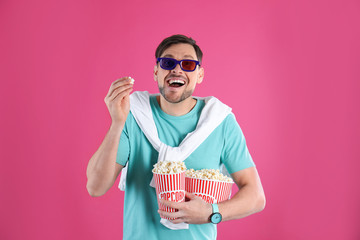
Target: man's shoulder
230,120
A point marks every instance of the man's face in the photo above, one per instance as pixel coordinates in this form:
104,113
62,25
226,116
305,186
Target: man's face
177,92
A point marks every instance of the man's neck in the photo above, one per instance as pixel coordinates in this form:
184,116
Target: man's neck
176,109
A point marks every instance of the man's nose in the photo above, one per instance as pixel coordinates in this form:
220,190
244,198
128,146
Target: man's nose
177,69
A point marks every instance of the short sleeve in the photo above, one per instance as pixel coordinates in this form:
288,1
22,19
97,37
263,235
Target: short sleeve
235,154
123,151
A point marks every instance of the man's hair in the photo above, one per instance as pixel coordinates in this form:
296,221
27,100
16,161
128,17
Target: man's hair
175,39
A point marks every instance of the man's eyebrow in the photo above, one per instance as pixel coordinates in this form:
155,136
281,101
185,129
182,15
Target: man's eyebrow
188,56
184,57
168,56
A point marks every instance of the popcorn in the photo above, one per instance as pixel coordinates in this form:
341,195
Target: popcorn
208,174
208,184
131,80
168,167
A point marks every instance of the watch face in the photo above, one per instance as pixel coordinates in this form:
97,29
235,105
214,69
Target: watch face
216,218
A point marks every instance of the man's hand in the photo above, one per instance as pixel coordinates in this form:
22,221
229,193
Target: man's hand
117,100
193,211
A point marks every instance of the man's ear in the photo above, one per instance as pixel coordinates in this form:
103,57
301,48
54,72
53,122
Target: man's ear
201,75
155,72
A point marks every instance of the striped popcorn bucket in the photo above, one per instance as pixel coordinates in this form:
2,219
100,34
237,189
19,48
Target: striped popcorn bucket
211,191
170,187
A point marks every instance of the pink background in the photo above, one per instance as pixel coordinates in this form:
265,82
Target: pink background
289,69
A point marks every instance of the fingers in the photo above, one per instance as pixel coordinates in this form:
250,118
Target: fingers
118,94
171,204
190,196
125,81
193,211
176,215
121,92
119,89
129,79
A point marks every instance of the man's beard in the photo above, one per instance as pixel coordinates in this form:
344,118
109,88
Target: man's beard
185,95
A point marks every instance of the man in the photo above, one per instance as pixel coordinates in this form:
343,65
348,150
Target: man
176,113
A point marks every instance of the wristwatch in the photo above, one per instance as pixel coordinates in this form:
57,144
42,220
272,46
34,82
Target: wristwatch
215,217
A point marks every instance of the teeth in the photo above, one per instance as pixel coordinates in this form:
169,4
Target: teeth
176,81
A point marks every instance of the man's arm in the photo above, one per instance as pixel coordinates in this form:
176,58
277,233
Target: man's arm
248,200
102,169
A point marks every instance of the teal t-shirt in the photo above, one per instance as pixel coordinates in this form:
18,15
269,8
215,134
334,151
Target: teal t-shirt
226,144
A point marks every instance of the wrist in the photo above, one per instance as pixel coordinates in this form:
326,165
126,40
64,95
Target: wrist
215,216
209,212
116,126
116,129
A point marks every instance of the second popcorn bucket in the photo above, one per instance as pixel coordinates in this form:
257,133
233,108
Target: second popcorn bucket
209,189
169,183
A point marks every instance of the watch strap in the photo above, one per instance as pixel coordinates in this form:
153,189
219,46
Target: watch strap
215,208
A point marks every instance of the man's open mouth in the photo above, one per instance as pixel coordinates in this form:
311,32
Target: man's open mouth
176,83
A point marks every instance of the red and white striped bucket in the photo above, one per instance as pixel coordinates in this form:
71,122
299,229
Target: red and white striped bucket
211,191
170,187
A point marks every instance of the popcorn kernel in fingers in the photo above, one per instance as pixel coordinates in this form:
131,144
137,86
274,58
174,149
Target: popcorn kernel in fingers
131,80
